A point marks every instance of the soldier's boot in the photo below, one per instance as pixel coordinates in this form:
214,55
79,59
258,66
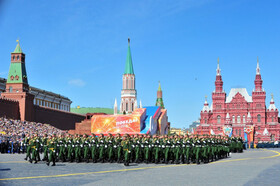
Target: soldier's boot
87,160
53,163
188,161
48,163
30,160
197,161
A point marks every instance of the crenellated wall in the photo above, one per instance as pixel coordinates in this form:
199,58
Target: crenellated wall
9,108
57,118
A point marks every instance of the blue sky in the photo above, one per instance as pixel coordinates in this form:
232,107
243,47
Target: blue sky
78,48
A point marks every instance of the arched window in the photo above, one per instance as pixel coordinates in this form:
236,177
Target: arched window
13,58
17,57
132,107
205,120
126,107
238,119
259,118
244,119
272,119
239,132
126,83
218,119
233,119
10,89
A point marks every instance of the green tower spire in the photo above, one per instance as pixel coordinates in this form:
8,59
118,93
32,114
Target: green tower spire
17,49
159,101
159,87
17,72
128,63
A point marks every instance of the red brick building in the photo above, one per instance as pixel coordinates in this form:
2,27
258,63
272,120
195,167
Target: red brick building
20,101
240,114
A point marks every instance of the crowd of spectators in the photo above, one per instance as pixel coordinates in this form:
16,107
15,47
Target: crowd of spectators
12,133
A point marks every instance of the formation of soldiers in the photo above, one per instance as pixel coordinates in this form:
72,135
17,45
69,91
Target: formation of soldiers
126,149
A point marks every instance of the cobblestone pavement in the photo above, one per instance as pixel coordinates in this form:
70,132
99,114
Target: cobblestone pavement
253,167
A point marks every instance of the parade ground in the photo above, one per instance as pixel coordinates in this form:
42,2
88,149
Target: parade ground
253,167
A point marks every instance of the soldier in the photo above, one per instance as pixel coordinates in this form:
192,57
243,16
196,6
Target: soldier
45,147
85,141
197,150
147,147
52,145
126,149
27,146
156,149
110,142
93,147
78,145
137,144
118,147
61,146
70,147
102,144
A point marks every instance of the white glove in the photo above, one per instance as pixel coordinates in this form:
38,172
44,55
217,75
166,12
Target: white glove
133,146
149,146
97,145
101,141
105,146
65,145
142,146
146,142
163,146
73,145
89,145
53,150
37,140
115,146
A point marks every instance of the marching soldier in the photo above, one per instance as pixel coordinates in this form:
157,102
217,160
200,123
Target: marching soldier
93,147
126,148
52,146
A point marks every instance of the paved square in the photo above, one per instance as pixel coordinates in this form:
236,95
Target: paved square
253,167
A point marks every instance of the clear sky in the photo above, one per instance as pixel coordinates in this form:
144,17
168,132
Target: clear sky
78,48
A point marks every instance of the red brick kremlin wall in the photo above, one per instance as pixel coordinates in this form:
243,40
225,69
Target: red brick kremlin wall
59,119
9,108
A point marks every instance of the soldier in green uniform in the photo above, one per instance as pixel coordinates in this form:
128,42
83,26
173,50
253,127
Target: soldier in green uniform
27,146
86,147
126,146
118,147
45,147
102,143
77,150
197,149
110,149
61,146
52,146
93,147
70,147
147,148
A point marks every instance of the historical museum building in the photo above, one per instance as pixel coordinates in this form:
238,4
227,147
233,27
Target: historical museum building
239,113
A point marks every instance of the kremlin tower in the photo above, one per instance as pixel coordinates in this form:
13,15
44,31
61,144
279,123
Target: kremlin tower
128,93
17,87
159,101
